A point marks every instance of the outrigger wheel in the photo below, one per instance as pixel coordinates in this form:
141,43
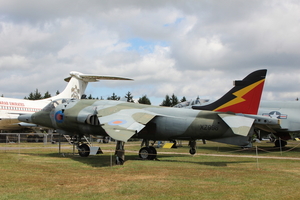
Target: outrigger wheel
148,153
192,151
84,150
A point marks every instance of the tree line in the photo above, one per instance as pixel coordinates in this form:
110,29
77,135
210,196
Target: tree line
169,101
36,95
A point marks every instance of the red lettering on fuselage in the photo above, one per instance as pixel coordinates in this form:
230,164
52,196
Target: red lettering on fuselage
4,102
16,104
12,103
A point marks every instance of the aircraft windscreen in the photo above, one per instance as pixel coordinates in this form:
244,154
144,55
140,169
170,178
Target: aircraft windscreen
188,104
54,104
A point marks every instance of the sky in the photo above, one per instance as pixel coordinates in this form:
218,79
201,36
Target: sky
187,48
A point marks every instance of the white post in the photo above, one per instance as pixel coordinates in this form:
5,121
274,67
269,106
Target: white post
257,158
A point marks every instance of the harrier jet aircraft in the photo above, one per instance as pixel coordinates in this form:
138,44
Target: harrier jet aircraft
10,108
122,120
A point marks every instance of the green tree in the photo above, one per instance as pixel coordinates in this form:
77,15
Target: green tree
34,96
144,100
167,101
174,100
114,97
57,92
129,97
183,99
47,95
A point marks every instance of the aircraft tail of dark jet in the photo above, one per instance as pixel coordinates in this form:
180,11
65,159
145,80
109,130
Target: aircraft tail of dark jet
244,97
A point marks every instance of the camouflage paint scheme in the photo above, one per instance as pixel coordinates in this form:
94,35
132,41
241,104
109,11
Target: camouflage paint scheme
122,121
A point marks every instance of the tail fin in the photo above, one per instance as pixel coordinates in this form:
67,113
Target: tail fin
78,83
244,97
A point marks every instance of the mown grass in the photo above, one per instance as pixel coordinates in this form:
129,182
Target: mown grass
42,173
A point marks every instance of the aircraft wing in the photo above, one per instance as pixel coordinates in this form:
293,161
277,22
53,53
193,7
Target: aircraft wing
125,123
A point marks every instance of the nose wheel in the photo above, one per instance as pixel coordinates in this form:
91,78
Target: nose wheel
84,150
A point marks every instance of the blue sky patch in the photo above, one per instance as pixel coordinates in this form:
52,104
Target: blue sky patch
177,21
141,45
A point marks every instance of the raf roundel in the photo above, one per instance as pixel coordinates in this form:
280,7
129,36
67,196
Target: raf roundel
59,116
117,122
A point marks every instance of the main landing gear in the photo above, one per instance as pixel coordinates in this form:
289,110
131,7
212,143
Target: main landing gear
148,152
145,153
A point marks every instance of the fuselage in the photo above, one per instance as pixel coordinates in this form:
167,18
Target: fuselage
74,117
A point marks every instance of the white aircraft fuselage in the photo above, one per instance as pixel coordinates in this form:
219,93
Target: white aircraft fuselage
11,108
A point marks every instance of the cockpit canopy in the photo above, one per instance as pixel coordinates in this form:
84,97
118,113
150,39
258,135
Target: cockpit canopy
188,104
54,104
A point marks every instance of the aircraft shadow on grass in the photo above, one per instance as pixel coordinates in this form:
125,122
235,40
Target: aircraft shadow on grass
248,151
214,164
108,160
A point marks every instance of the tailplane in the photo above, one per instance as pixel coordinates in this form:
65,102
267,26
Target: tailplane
244,97
78,83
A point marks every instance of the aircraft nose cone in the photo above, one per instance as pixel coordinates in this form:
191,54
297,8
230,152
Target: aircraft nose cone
25,118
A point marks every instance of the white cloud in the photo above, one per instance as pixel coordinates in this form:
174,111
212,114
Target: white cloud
14,62
187,48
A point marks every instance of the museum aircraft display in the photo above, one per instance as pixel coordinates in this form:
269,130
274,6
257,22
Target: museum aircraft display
11,108
122,121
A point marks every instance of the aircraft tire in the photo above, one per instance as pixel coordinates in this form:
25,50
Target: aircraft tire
192,151
147,153
144,153
84,150
153,153
281,143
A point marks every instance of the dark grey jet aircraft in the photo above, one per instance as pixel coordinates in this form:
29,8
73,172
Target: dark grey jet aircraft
122,121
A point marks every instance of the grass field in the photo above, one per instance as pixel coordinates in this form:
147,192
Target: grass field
37,171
